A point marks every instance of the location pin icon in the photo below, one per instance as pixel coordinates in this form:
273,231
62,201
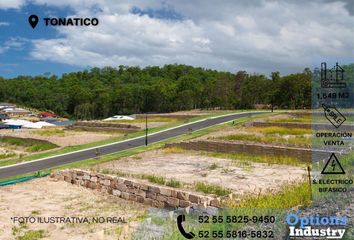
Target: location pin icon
33,20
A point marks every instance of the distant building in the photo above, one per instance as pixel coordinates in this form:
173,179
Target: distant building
3,116
6,105
16,111
47,115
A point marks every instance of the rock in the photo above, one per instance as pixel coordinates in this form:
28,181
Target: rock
183,196
172,202
184,204
161,198
153,189
125,195
194,198
165,191
86,177
139,192
215,202
121,187
148,201
151,195
116,192
140,199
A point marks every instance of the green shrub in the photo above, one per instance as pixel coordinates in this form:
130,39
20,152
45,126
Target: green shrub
211,189
173,183
31,145
156,179
290,195
32,235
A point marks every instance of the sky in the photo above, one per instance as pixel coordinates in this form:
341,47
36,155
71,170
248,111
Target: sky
259,36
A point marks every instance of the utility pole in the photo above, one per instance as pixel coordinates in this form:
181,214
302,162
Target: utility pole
146,129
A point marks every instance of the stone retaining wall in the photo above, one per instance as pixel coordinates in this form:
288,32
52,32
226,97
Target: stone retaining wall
123,130
104,126
156,196
302,154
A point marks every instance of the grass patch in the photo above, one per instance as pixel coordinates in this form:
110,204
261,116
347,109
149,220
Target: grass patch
211,189
32,235
173,183
35,212
279,130
21,233
295,194
304,119
244,158
31,145
151,178
173,150
7,155
162,180
292,140
142,120
156,179
50,132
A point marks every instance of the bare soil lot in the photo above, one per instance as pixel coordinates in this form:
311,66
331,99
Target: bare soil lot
49,198
190,168
298,137
60,137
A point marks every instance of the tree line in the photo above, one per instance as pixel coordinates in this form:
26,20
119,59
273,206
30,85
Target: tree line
102,92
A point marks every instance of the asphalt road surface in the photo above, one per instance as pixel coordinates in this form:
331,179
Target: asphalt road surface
32,166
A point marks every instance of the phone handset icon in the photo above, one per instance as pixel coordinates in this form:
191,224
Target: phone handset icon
180,219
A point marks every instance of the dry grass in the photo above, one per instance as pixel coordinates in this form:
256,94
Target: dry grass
279,130
211,189
243,159
291,140
31,145
303,119
151,178
171,150
50,132
142,120
7,155
290,195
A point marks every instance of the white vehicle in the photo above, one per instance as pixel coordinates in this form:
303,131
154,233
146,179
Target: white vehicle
118,117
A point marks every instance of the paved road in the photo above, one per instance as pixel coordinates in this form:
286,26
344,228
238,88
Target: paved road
54,161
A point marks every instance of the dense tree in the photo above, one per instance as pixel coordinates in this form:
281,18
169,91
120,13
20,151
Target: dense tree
102,92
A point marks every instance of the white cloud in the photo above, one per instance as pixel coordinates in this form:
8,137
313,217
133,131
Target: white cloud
260,36
4,24
7,4
12,43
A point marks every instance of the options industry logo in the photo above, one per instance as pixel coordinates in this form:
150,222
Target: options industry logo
330,227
